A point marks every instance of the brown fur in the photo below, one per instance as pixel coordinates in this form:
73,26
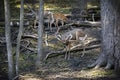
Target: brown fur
56,18
59,17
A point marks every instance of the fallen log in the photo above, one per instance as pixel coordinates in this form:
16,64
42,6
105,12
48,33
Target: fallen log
80,23
56,53
87,23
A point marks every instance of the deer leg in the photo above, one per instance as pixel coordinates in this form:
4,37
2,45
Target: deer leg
46,39
58,30
50,26
82,41
93,17
35,23
62,23
83,53
77,37
69,48
66,54
57,25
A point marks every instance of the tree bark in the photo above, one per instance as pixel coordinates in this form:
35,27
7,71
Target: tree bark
40,34
110,52
8,39
19,36
117,36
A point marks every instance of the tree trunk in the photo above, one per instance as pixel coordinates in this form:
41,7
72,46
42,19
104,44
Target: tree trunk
117,36
110,52
19,36
40,34
8,39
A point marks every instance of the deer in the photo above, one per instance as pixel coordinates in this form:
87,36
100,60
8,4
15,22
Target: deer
55,18
68,38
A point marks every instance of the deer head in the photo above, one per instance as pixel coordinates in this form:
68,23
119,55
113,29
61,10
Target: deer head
64,39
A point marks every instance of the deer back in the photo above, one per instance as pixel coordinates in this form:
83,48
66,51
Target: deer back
60,16
74,34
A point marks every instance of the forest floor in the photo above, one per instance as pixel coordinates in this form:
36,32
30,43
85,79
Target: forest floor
76,68
57,68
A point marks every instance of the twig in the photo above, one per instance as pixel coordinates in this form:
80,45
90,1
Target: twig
87,23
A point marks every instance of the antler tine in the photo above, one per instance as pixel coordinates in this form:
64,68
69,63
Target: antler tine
69,37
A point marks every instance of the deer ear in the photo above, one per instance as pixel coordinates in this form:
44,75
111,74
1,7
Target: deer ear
69,37
58,37
49,12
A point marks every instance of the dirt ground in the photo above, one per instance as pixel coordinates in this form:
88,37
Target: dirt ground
76,68
57,68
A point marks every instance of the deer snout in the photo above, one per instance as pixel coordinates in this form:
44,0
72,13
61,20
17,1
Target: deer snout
65,44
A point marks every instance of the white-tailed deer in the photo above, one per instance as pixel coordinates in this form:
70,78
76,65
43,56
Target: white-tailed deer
55,18
68,38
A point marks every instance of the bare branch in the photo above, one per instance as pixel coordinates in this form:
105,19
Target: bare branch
55,53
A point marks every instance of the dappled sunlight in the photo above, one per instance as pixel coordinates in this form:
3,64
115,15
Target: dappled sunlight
82,74
49,6
18,6
54,46
92,73
91,6
68,43
30,77
94,22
